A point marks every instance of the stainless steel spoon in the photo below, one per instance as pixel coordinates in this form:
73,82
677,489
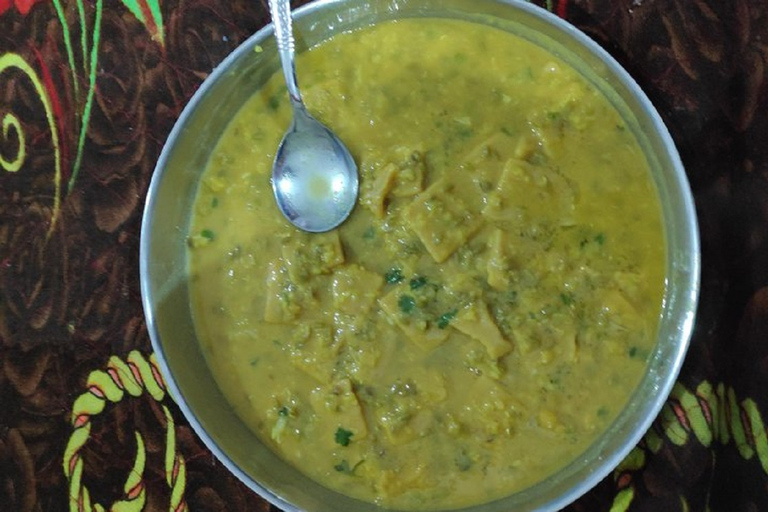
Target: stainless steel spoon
314,177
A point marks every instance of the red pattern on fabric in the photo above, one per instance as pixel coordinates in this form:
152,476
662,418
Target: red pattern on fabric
23,6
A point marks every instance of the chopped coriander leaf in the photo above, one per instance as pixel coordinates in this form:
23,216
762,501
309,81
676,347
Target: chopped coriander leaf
343,467
602,412
207,233
418,282
600,238
637,353
284,411
343,436
567,298
369,234
274,101
445,319
394,276
406,303
214,202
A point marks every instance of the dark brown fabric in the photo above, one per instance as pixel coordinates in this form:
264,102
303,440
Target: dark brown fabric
69,292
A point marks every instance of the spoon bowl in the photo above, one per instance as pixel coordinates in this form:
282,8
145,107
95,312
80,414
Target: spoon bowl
314,177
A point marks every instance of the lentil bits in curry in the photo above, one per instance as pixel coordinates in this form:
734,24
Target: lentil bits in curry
489,306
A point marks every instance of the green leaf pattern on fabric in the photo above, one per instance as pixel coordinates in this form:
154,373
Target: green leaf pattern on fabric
148,12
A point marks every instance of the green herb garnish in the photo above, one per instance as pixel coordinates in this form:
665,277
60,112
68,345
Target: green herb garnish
343,436
394,276
444,319
208,234
406,303
343,467
274,101
418,282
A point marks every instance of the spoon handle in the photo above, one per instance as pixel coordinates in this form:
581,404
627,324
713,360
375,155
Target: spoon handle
280,11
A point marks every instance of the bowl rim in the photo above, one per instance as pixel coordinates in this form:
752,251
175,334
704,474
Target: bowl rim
685,325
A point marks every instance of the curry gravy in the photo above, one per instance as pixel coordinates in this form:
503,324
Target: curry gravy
489,306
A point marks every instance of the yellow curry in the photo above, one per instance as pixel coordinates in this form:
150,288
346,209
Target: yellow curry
492,301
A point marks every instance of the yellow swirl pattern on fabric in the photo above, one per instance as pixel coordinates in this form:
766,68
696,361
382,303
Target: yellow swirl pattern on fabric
11,121
10,61
135,376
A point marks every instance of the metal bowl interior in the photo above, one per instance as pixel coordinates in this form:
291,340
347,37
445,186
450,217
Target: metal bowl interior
163,257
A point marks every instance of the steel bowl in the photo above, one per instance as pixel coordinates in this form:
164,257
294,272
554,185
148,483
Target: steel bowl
163,258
